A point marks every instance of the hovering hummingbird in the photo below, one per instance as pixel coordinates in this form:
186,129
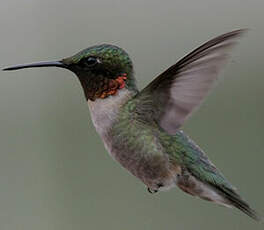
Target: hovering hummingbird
142,129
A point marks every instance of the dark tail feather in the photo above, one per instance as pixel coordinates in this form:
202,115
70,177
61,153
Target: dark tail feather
239,203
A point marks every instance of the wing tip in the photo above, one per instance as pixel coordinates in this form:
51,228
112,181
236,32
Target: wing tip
238,33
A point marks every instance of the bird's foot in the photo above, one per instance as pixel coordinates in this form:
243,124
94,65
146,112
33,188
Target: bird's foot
152,191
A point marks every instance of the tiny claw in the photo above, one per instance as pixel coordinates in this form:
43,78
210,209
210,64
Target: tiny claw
152,191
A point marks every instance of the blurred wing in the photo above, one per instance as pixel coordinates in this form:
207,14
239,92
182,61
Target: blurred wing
174,94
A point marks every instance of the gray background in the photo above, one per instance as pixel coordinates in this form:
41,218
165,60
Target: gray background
54,170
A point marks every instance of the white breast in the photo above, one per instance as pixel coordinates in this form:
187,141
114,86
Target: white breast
105,111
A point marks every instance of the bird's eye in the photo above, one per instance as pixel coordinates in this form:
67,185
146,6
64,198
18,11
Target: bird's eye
88,62
91,61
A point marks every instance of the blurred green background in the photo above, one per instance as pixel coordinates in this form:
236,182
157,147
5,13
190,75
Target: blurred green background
54,170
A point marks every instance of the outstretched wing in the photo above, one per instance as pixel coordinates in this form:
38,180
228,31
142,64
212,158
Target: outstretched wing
175,93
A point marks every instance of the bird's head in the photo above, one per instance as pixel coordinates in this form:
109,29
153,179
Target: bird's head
101,69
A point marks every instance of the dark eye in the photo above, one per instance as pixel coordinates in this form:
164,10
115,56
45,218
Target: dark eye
89,61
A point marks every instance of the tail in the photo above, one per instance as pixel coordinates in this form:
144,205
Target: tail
236,201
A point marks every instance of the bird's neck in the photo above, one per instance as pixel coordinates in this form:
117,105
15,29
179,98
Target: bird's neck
105,111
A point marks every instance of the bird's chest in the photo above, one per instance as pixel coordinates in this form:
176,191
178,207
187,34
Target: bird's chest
135,148
104,114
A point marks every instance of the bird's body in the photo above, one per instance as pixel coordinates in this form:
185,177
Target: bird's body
160,160
136,145
142,129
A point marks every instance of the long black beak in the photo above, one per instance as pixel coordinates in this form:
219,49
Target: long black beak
37,64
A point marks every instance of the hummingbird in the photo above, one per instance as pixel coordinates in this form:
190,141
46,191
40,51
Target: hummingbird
142,129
